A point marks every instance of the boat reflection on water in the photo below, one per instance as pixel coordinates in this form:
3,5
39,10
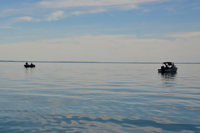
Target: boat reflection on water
169,79
29,71
169,76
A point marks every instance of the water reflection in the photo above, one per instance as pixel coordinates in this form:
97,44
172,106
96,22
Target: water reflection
169,76
29,71
168,79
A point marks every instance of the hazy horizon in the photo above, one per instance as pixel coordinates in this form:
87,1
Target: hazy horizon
109,62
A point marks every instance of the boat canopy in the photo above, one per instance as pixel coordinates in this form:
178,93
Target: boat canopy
168,63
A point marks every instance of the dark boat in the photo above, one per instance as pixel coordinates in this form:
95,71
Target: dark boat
27,65
169,68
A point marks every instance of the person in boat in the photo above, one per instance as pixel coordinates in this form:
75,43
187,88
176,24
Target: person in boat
31,63
166,67
26,63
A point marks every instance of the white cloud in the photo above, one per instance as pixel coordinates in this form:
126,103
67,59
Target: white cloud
77,13
69,7
97,11
56,15
128,7
183,35
87,6
83,3
105,48
26,18
60,14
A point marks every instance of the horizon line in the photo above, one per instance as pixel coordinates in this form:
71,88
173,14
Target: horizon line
109,62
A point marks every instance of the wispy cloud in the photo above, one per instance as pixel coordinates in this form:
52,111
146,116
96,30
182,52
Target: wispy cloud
183,35
97,11
91,6
26,18
77,13
49,10
46,6
56,15
87,3
61,14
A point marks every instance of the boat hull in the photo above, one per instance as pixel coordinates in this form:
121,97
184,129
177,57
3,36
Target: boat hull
27,66
167,71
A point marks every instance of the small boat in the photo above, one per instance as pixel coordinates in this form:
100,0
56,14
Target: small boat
27,65
169,67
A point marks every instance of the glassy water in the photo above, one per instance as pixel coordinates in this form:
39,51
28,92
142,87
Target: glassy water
98,98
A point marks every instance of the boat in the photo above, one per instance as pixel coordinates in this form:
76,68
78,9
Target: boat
168,68
27,65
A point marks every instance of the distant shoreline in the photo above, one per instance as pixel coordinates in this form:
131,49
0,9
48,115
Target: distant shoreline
99,62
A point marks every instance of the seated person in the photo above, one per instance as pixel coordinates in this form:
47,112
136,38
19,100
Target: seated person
166,67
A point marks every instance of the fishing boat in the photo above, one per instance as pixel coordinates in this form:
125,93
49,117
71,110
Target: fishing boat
169,67
27,65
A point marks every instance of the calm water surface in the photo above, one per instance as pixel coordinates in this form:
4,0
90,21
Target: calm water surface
98,98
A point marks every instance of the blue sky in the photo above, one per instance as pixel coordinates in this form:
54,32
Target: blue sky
100,30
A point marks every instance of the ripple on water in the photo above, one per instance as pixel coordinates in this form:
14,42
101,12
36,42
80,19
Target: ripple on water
90,123
96,98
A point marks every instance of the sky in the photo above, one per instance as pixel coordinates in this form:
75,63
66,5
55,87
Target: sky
100,30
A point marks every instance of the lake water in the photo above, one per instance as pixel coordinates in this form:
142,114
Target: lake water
98,98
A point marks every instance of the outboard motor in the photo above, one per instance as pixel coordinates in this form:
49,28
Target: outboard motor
162,69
